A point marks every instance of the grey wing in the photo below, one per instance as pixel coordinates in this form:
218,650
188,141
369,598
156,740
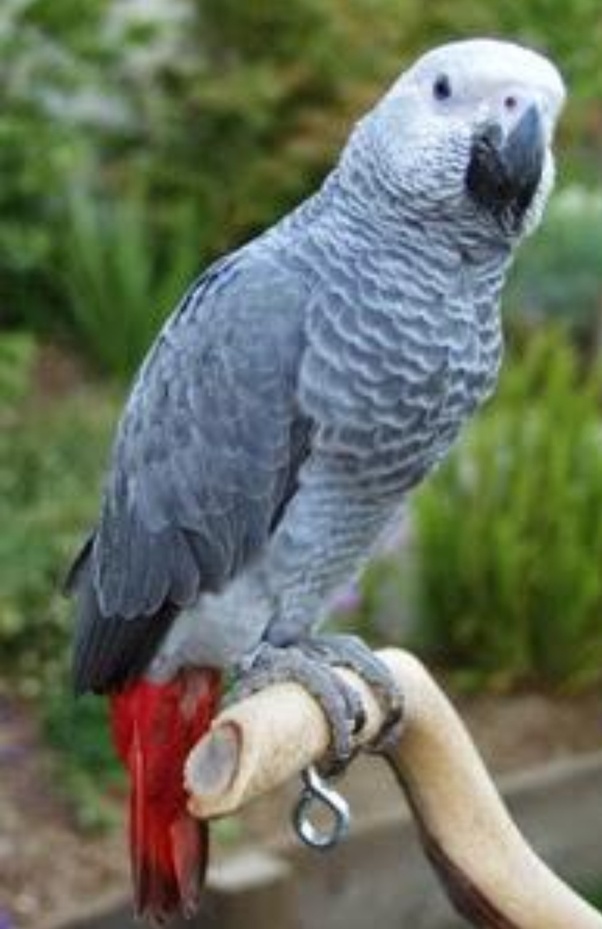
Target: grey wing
204,462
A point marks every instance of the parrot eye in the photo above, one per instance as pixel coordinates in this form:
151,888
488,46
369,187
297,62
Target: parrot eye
442,88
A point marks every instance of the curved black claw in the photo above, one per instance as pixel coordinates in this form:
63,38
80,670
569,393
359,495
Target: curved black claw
349,651
340,703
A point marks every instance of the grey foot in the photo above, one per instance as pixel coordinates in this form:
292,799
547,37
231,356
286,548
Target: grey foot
349,651
306,665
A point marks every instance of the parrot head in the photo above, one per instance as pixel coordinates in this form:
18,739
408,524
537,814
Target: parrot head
466,133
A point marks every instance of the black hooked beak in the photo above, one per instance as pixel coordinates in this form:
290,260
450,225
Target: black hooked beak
503,174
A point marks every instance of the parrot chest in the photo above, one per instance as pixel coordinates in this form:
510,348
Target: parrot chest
391,380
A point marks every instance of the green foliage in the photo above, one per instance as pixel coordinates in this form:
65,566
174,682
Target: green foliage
558,273
117,284
51,457
16,358
200,131
244,125
50,462
509,531
46,67
78,728
223,113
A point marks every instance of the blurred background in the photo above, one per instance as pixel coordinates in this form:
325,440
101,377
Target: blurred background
138,140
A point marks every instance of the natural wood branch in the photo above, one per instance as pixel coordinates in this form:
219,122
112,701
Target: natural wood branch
492,875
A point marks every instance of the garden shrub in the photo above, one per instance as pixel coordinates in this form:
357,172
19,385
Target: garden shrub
52,456
51,459
119,285
17,350
509,533
49,67
558,273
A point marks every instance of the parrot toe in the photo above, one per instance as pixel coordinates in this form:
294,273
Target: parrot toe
312,668
311,663
349,651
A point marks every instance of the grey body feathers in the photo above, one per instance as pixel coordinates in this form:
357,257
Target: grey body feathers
305,384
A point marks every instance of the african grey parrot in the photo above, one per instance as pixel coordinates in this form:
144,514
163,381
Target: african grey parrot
305,384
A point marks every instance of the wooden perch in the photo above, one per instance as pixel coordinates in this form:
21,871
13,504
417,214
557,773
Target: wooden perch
491,874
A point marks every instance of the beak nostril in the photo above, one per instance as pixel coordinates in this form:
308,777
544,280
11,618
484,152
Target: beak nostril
510,102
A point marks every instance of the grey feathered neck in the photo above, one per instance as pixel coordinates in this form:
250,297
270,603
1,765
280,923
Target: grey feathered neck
361,198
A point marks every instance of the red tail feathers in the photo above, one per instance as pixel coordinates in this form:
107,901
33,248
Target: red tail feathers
154,727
